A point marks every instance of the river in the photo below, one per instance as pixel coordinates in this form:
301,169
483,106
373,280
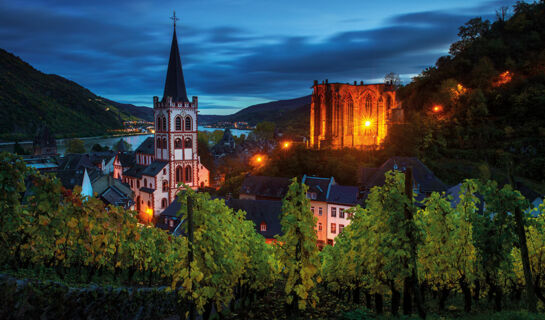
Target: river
133,140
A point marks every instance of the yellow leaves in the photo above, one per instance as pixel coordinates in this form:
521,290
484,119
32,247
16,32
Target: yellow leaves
60,241
43,220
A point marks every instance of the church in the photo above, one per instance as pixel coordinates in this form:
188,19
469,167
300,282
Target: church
352,116
170,157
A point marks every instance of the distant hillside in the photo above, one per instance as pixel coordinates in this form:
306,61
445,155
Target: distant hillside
144,113
290,115
29,98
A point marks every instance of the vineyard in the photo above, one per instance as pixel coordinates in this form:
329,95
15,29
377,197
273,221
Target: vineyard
426,258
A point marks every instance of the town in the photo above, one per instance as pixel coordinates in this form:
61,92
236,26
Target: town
387,199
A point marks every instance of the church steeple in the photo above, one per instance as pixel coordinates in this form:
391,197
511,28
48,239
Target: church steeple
175,84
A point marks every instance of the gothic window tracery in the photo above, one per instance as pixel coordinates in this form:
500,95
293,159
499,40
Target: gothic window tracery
368,104
178,143
165,143
188,174
179,174
159,145
187,143
188,123
164,124
178,123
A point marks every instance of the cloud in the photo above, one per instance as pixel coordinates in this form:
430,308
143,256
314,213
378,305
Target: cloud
124,54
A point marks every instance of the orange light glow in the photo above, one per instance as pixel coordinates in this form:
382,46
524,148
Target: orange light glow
367,123
503,78
259,159
286,144
149,211
437,108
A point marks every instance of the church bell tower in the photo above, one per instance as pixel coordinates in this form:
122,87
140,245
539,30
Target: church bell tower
176,125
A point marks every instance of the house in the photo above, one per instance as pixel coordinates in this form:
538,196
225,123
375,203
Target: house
264,188
265,214
225,146
340,199
318,191
104,160
424,180
113,191
123,161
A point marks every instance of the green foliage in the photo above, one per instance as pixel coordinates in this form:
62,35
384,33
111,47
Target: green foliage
75,146
297,248
264,130
99,148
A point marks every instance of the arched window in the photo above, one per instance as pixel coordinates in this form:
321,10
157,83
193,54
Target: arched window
368,104
188,174
138,203
164,203
350,119
164,124
149,204
165,146
263,226
165,185
178,143
159,145
178,124
187,143
388,105
179,174
145,183
188,123
158,124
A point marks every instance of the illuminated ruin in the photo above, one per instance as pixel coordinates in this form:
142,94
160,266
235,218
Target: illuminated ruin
352,115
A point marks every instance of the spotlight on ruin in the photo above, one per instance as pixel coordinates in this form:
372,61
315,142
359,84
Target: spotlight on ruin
367,123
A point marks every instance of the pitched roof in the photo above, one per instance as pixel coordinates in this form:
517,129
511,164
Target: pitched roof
116,197
75,161
147,190
258,211
321,186
74,177
172,209
154,168
343,195
135,171
147,147
424,179
272,187
127,159
175,84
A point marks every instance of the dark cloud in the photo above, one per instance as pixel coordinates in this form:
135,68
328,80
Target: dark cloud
114,55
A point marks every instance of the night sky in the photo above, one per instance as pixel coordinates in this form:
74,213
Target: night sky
234,52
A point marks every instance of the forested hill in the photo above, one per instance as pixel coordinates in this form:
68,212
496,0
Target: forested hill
481,110
29,98
291,115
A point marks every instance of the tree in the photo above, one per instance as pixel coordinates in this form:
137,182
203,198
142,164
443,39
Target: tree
264,130
298,252
98,148
75,146
393,79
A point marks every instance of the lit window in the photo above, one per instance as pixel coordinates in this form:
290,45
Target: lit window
341,213
341,227
263,226
319,211
333,228
333,212
171,223
319,226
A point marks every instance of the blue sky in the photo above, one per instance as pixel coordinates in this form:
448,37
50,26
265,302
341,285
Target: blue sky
235,53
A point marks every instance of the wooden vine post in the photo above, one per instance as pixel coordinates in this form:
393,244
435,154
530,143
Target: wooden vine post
412,241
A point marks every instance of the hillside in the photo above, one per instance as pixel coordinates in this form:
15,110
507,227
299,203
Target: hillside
29,98
491,93
290,115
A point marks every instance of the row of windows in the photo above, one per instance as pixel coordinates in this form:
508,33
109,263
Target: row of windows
333,212
162,143
161,123
334,228
184,175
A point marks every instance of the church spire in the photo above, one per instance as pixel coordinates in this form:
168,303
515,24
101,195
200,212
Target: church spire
175,84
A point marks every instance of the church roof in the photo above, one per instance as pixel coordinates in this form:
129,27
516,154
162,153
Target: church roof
154,168
147,147
174,84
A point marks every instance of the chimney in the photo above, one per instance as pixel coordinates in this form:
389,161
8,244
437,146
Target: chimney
361,83
315,82
326,81
355,83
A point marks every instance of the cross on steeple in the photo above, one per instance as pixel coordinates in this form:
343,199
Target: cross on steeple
173,18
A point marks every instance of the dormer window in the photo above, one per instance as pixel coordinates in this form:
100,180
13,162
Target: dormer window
311,195
263,227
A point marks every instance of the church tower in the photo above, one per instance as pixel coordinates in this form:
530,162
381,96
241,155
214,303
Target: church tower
176,127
